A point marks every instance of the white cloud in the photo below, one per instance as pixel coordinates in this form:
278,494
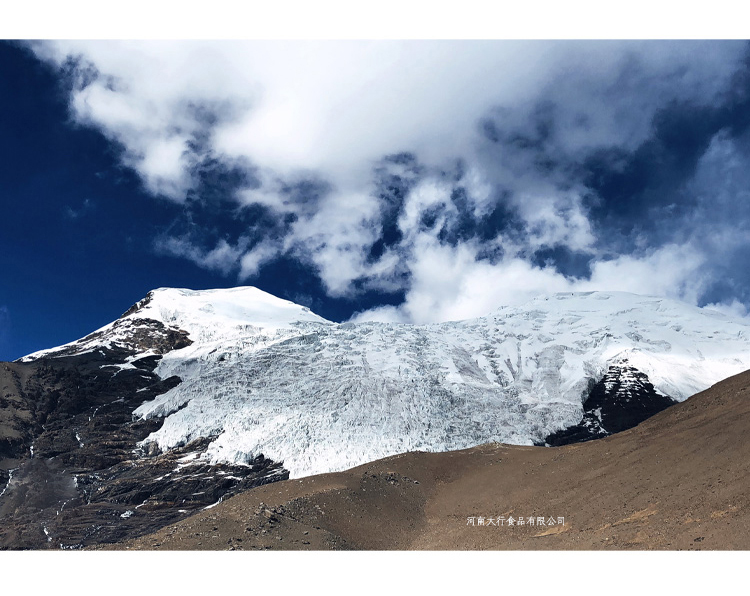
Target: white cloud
673,270
335,239
331,110
223,257
733,308
556,219
427,195
453,283
251,261
336,106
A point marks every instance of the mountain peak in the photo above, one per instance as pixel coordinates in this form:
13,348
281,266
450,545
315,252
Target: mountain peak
243,305
203,315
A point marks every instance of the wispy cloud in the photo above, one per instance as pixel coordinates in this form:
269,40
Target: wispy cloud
76,213
223,257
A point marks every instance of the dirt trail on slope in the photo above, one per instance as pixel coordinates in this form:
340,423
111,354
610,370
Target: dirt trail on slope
680,480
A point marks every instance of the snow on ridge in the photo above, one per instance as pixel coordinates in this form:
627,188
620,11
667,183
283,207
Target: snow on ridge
265,375
217,314
198,311
324,397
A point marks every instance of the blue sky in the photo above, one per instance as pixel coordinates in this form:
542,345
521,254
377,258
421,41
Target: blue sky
399,181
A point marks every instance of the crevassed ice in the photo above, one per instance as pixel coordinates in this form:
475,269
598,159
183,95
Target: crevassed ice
268,376
265,375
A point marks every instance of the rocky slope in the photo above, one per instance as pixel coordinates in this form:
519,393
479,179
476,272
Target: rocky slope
623,398
72,470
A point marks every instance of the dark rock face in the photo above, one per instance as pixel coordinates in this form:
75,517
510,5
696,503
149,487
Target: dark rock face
71,471
139,305
621,400
129,336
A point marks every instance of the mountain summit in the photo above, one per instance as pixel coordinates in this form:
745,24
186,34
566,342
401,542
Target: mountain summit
260,375
204,315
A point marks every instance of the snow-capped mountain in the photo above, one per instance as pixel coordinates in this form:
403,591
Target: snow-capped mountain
264,375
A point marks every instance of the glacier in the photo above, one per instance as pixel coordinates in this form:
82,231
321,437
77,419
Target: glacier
265,375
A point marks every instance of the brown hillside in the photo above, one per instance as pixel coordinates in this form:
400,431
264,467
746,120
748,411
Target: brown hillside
678,481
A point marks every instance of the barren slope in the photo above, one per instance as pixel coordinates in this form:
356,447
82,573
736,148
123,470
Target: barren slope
678,481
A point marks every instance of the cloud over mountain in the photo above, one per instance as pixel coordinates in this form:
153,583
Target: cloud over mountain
461,174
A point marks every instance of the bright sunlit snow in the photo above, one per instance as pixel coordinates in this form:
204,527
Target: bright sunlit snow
268,376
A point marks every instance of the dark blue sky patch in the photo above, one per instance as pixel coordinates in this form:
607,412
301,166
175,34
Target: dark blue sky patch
736,104
212,213
293,279
209,114
502,218
466,224
453,173
518,132
430,217
303,197
640,193
378,247
220,180
526,145
731,279
649,190
573,264
394,177
492,254
719,289
462,226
